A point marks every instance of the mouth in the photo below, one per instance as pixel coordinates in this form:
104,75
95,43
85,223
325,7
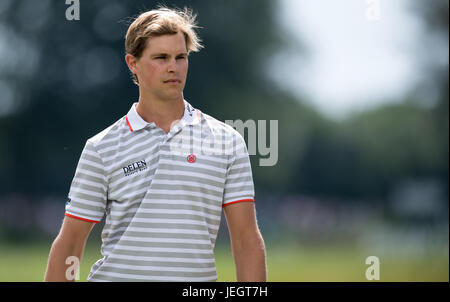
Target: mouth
172,81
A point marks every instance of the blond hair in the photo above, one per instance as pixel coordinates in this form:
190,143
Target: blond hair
159,22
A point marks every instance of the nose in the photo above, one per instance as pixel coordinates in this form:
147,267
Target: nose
172,67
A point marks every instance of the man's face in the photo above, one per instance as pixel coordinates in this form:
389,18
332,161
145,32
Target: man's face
162,68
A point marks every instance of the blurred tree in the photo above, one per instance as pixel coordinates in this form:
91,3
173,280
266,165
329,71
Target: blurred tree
368,154
79,83
63,81
434,57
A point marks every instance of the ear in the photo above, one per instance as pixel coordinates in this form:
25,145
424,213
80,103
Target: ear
131,62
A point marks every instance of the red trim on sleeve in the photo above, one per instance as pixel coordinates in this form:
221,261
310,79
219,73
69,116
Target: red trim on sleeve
84,219
128,122
252,200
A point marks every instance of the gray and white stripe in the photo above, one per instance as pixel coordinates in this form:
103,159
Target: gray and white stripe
162,211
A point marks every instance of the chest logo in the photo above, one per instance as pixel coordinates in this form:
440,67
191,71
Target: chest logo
135,167
191,158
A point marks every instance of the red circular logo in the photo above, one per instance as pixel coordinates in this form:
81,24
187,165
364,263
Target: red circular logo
191,158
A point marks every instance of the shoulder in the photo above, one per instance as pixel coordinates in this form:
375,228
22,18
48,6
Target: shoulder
225,136
108,135
221,127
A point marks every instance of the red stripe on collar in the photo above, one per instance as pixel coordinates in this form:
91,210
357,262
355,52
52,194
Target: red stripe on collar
128,122
198,116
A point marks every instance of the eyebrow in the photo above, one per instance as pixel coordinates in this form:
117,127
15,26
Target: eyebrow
165,54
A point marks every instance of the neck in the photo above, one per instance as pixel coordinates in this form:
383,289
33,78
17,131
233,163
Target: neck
162,112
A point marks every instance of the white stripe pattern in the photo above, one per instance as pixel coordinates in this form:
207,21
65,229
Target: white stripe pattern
162,211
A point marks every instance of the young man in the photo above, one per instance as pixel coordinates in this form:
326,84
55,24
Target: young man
162,175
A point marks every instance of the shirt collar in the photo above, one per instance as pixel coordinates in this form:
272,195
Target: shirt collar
191,115
135,122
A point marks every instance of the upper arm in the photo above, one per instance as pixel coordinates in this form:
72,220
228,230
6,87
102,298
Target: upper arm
75,231
238,197
242,223
88,191
238,185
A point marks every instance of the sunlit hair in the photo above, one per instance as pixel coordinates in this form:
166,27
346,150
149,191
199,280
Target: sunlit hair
159,22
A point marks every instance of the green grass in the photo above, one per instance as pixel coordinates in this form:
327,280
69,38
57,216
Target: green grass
284,263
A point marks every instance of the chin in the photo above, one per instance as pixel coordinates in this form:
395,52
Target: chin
173,97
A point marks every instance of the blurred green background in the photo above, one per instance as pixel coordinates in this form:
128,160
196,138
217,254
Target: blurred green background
373,182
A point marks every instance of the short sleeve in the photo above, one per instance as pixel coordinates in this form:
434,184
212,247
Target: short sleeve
88,191
239,181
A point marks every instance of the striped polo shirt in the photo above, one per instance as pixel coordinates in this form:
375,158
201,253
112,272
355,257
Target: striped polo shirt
161,194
